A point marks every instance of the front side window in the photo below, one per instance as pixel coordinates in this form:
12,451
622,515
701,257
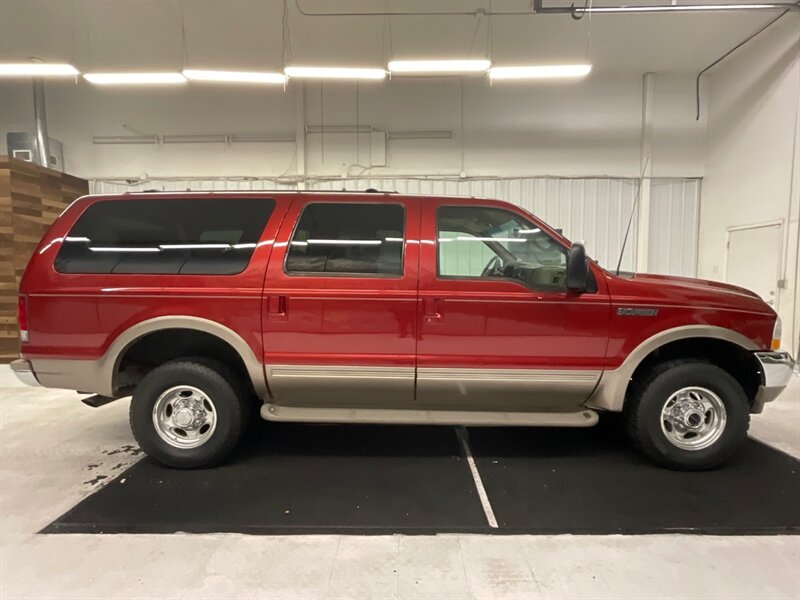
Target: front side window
493,243
198,236
348,239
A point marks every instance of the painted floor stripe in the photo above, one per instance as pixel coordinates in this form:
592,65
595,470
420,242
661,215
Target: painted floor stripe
461,432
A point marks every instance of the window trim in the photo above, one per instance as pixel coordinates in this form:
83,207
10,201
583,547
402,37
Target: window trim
473,278
342,274
272,209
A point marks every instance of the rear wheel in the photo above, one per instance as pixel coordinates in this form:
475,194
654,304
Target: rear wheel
189,414
688,414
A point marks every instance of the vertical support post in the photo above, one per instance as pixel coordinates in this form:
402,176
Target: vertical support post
300,135
40,123
646,169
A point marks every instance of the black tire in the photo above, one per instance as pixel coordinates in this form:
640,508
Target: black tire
649,395
222,387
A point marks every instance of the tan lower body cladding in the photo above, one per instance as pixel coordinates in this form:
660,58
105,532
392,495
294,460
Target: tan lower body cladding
520,390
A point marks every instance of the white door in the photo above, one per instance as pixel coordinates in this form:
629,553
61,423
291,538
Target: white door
754,259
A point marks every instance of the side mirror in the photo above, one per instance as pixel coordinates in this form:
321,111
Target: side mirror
577,268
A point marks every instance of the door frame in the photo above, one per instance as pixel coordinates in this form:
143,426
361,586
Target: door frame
759,225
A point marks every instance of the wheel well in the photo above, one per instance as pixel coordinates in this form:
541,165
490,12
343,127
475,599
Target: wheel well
738,362
158,347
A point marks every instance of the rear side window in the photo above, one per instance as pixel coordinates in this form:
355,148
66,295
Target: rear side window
348,239
173,237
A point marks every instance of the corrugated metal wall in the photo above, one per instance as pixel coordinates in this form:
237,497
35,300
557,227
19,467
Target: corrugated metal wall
593,210
674,227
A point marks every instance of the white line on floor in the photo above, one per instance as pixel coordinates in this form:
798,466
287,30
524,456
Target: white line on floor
461,432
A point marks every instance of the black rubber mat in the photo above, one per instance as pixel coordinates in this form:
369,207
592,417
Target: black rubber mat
373,479
297,479
593,482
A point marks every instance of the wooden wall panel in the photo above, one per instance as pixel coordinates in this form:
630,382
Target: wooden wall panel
31,198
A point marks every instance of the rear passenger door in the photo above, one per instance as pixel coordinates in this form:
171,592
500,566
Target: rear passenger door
340,303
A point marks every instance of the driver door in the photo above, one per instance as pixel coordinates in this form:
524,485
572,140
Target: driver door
497,328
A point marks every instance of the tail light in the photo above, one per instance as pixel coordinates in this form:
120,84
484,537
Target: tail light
22,318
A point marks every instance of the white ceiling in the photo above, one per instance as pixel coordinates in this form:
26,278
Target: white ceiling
246,34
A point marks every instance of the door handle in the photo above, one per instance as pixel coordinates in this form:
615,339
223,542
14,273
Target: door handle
432,310
276,308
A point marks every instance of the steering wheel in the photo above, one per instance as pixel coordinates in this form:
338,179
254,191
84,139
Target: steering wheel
491,266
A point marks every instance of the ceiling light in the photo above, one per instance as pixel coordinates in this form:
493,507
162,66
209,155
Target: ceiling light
334,73
438,66
37,70
235,76
540,72
134,78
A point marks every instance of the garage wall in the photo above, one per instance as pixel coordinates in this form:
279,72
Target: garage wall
593,210
752,164
583,128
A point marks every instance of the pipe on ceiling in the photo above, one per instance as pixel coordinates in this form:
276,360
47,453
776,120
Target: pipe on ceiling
573,10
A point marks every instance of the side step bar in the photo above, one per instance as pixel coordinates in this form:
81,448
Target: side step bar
97,400
472,418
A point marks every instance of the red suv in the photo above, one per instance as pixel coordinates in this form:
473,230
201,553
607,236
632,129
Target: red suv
380,308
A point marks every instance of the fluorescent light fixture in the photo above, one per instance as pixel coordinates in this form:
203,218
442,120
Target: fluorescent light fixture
194,246
346,242
84,240
334,73
37,70
540,72
436,67
682,8
235,76
134,78
464,238
121,249
529,231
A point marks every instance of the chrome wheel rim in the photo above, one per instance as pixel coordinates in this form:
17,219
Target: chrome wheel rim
184,417
693,418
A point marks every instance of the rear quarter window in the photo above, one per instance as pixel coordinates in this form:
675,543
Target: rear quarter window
159,236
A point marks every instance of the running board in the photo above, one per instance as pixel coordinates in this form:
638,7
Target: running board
471,418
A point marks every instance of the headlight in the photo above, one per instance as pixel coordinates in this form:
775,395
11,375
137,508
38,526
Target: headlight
776,335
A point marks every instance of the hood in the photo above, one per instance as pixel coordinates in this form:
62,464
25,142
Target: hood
667,289
696,284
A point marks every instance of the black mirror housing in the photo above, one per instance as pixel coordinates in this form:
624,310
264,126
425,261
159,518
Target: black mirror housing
577,268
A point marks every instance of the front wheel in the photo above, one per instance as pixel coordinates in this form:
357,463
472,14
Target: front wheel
188,414
688,414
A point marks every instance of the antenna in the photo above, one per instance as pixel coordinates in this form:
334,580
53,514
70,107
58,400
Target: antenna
633,211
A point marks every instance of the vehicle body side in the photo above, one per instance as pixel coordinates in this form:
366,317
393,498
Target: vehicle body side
415,340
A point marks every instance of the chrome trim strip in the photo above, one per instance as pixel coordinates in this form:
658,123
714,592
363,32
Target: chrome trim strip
274,412
610,392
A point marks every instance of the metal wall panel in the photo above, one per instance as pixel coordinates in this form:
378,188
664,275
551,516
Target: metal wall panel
593,210
674,227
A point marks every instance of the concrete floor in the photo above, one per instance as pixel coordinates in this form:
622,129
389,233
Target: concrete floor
54,451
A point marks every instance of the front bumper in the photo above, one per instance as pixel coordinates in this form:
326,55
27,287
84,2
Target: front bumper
776,372
24,371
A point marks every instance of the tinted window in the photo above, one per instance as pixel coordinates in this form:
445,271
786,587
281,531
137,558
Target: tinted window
492,243
192,236
356,239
